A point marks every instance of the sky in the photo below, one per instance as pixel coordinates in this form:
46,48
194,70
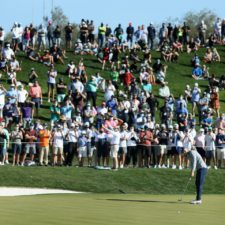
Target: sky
111,12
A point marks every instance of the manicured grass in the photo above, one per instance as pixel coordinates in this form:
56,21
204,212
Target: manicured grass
132,181
110,209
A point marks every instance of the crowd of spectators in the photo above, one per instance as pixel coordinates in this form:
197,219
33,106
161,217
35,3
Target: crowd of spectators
125,124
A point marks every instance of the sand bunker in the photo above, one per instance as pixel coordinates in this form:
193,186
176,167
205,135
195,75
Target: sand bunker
17,191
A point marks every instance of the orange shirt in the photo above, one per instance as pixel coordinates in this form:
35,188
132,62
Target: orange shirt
44,138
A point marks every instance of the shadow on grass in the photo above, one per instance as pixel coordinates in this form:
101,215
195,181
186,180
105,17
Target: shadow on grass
148,201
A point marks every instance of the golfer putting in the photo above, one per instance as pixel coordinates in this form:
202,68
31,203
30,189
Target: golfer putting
197,164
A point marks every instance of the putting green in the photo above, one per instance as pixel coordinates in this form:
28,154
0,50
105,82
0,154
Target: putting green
105,209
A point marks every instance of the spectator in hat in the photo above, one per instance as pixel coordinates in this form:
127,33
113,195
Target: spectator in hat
114,145
57,143
30,146
16,138
72,136
220,147
210,148
45,136
7,52
200,143
4,143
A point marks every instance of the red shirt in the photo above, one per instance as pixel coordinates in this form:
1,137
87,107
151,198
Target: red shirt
146,137
127,78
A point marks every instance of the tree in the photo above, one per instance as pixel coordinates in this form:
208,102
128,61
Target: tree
58,17
193,19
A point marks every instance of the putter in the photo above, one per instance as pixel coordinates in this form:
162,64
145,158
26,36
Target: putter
185,189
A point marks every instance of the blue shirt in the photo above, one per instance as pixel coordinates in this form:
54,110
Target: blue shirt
197,72
12,94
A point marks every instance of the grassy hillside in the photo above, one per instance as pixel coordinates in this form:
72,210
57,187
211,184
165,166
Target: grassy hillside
126,180
140,181
178,75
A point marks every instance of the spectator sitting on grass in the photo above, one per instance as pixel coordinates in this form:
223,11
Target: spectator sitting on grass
197,72
32,54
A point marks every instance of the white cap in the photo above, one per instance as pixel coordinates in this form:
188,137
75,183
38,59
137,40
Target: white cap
196,84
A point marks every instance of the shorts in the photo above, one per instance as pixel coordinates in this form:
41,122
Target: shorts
180,150
122,150
162,150
51,86
82,152
37,102
17,148
220,153
210,154
30,148
173,150
57,150
145,150
114,149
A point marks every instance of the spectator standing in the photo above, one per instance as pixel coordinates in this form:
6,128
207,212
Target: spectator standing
151,35
35,93
220,147
186,33
57,35
52,74
16,138
41,37
2,37
68,35
210,148
45,136
202,28
57,143
119,33
91,89
130,35
101,35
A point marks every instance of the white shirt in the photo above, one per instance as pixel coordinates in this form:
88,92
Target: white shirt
76,86
115,140
210,142
8,53
72,136
123,139
2,97
100,136
51,77
58,140
22,95
15,32
131,135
